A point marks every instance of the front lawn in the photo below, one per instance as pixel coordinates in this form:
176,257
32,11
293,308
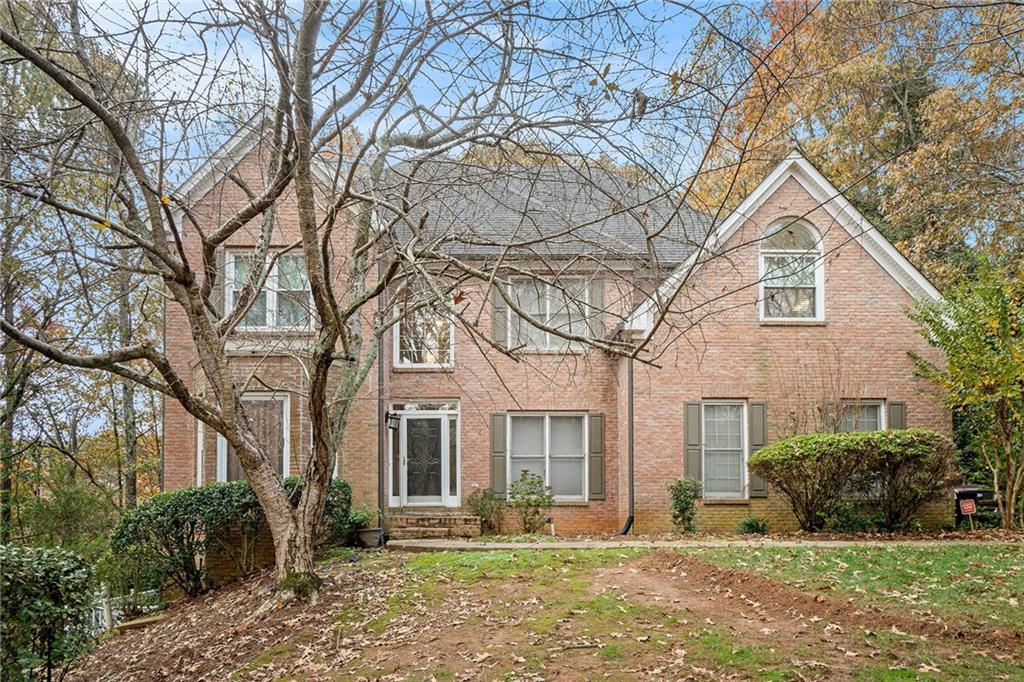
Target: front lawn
973,584
851,613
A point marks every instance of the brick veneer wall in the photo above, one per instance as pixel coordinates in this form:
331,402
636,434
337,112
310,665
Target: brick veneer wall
716,349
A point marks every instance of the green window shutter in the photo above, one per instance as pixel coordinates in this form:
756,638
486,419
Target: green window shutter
896,417
595,466
498,467
217,294
499,317
758,416
693,441
595,297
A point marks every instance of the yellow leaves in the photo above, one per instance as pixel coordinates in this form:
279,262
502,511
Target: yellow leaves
165,200
102,226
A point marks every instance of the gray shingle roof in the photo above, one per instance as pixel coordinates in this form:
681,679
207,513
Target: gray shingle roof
540,211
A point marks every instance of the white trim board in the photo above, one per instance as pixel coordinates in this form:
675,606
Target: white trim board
826,194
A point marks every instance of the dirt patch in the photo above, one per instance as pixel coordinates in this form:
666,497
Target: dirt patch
761,610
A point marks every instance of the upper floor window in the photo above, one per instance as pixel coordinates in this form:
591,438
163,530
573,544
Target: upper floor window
563,307
285,301
862,415
791,273
423,338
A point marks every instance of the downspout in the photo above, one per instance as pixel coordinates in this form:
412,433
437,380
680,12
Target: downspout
630,445
381,427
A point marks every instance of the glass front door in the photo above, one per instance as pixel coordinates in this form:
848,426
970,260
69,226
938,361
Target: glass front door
423,459
424,456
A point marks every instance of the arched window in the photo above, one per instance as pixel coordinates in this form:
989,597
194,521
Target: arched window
791,274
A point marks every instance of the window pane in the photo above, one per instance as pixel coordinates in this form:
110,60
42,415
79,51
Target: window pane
790,238
723,426
257,315
424,338
566,436
723,472
534,465
861,418
789,271
789,302
567,476
527,437
291,273
293,295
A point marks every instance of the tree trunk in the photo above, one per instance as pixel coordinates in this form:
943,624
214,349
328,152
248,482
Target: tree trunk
294,569
124,325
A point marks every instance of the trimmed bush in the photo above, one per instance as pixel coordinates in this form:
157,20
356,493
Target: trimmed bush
490,507
45,601
530,497
753,526
684,493
900,469
908,468
175,529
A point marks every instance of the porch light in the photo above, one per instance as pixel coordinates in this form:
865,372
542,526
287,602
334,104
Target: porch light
391,420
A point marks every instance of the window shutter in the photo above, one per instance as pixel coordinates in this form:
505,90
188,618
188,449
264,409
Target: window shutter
498,467
896,417
595,316
595,467
217,294
758,415
499,317
693,441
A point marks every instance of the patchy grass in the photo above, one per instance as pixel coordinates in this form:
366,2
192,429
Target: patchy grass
613,614
472,567
982,582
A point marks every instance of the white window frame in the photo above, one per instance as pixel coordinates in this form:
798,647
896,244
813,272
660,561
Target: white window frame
286,459
511,325
396,357
445,410
744,449
871,402
819,274
547,450
200,451
269,286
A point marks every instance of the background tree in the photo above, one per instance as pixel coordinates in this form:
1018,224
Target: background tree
913,110
979,327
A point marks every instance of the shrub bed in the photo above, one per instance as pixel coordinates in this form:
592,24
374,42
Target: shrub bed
174,530
898,469
45,603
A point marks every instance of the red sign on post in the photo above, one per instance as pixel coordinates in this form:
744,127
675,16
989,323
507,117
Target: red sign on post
967,507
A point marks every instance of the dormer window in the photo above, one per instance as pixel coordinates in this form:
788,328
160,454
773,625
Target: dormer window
284,302
791,274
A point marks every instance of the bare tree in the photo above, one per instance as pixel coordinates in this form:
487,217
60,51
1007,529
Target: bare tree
364,117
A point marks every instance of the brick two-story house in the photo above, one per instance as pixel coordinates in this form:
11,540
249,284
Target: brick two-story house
787,315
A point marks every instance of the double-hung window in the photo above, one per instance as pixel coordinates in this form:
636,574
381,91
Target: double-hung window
862,415
552,446
424,338
791,273
724,448
563,306
284,301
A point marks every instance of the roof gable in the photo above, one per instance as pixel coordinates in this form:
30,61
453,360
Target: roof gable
826,194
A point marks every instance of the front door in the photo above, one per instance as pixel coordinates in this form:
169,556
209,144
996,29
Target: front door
423,458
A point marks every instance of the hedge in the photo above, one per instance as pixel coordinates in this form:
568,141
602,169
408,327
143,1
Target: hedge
175,529
900,469
46,604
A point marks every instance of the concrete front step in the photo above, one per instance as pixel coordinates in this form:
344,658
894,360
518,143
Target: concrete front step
427,525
